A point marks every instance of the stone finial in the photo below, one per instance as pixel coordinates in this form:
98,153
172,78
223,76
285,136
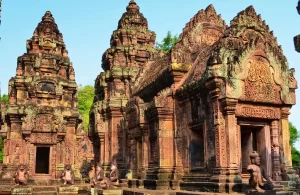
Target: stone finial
47,27
48,17
132,17
132,7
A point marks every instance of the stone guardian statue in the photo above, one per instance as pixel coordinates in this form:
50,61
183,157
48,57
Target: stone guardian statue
257,173
21,176
68,175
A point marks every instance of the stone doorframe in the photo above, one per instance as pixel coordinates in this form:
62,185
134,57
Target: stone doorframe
42,176
270,130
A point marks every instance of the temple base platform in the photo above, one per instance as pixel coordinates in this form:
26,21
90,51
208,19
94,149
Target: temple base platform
136,187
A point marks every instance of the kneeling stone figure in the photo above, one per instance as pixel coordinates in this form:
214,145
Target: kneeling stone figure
257,173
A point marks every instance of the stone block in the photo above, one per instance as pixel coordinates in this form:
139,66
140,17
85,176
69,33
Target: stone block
110,192
21,191
255,192
68,190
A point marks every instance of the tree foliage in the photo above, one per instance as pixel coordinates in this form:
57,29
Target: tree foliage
85,101
294,136
168,42
4,98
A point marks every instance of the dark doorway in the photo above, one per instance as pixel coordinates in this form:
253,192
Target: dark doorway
250,141
42,160
197,149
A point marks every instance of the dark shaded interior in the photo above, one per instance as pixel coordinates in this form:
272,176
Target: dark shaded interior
42,160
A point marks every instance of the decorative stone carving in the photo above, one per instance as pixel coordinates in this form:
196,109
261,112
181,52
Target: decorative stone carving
68,175
43,138
250,111
42,110
21,176
257,173
259,85
165,115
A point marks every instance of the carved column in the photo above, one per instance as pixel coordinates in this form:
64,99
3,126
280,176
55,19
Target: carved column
70,141
286,147
116,139
145,153
16,141
226,168
276,172
102,147
133,158
165,138
232,139
220,131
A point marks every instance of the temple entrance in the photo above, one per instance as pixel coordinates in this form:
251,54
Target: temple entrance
255,138
42,160
197,149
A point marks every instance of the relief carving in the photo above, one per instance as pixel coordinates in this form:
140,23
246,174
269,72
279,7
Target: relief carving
257,111
259,85
43,138
43,122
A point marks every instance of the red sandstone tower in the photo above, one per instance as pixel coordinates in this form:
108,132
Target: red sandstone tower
132,46
43,125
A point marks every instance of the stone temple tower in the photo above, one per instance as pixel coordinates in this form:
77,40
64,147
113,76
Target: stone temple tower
132,47
43,128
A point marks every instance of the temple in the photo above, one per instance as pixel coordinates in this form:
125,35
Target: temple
184,120
41,126
188,119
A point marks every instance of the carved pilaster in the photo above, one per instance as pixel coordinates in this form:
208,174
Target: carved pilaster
229,107
145,153
226,148
276,172
286,147
219,123
102,147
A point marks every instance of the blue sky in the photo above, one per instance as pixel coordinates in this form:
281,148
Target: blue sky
87,27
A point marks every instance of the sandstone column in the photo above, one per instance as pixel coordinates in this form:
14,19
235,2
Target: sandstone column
276,172
232,139
286,147
226,169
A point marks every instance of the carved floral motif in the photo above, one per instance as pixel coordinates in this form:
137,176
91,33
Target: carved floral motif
43,138
259,85
258,111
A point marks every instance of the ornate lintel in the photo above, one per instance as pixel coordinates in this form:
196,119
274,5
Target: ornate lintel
257,111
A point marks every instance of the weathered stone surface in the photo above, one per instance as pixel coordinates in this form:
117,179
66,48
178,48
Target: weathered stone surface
21,191
194,112
267,192
132,47
43,108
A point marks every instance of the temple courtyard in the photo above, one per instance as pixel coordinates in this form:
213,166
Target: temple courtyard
210,116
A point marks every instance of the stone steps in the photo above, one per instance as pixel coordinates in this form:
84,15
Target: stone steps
45,193
196,177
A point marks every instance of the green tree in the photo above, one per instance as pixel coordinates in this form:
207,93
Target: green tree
1,149
167,43
85,101
294,136
4,98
